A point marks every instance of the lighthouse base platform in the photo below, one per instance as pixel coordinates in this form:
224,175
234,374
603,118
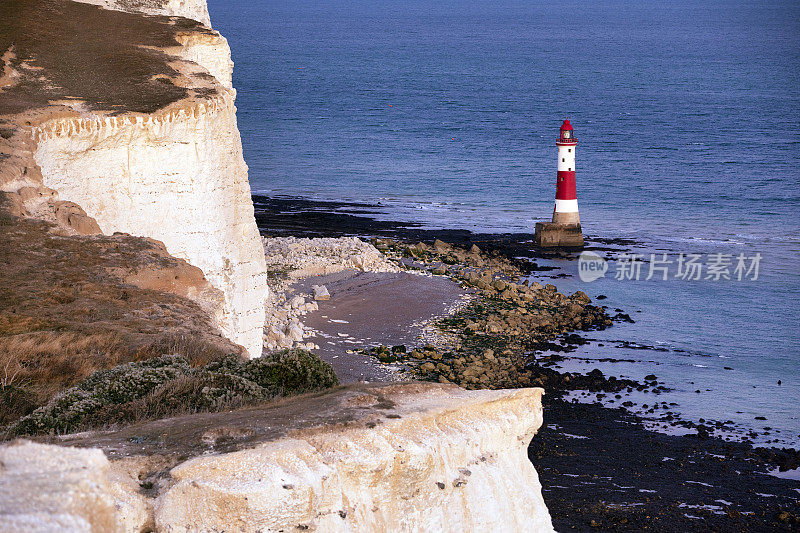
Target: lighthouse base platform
554,235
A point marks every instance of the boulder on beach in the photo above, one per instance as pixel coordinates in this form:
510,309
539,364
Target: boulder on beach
321,292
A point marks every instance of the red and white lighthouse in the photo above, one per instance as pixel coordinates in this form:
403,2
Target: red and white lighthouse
566,209
565,229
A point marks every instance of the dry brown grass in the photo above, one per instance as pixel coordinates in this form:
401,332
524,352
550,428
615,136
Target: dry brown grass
64,315
53,360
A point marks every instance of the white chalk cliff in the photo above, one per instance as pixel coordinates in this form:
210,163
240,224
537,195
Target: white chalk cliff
409,457
191,9
44,489
176,175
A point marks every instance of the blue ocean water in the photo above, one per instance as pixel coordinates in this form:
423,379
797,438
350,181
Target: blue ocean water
688,120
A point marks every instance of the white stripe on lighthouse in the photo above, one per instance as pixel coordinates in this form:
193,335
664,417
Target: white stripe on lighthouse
566,206
566,158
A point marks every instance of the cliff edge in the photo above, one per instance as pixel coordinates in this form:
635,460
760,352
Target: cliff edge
111,122
403,457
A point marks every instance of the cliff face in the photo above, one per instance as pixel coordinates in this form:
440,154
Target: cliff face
134,131
451,461
412,457
64,489
178,177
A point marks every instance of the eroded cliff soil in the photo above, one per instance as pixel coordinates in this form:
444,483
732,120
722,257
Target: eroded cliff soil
127,232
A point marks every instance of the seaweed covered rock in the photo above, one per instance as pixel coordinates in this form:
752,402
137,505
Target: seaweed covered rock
168,385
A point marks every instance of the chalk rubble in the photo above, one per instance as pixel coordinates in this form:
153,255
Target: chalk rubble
299,258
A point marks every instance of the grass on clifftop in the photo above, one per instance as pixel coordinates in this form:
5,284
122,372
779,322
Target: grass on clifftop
82,348
66,312
168,385
105,59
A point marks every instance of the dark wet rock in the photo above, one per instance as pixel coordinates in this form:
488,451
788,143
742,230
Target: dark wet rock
574,338
784,458
509,319
301,217
622,477
617,450
703,432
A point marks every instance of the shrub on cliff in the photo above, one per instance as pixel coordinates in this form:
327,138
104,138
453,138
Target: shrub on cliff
290,372
168,385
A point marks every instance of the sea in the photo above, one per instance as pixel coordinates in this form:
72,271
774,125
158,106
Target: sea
687,116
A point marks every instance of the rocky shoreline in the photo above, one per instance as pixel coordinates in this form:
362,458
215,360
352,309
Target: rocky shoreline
492,342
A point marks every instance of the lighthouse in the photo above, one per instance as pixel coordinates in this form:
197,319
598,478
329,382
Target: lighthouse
565,229
566,209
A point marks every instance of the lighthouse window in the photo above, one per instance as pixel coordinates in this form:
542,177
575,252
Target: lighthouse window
569,150
562,159
569,169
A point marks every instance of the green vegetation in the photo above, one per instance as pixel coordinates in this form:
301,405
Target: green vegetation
169,385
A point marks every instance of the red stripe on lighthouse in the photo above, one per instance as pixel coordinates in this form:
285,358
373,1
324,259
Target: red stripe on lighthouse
565,185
